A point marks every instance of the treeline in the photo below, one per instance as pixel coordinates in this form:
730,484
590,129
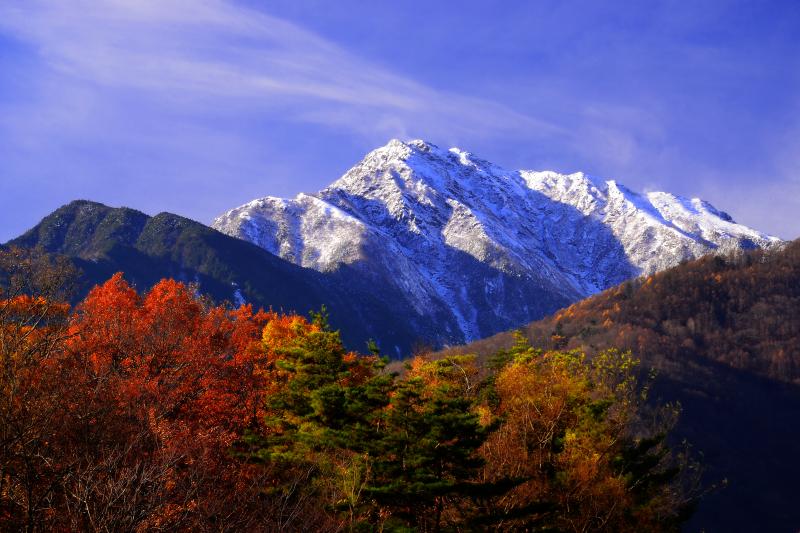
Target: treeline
741,310
164,412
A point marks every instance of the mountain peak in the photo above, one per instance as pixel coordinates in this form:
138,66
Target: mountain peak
400,149
478,246
82,227
421,145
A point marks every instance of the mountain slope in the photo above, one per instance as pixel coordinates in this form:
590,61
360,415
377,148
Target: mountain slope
102,240
477,248
741,310
724,333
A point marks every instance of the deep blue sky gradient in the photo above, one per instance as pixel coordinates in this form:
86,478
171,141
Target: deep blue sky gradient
198,106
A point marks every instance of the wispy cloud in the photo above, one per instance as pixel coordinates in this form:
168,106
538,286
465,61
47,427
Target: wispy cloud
205,53
215,102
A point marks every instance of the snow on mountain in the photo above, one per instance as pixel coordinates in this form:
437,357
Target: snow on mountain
474,248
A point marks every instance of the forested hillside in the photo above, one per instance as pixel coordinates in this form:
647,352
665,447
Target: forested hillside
741,310
164,412
724,335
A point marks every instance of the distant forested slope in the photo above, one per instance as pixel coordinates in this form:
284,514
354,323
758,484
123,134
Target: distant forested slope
724,335
742,310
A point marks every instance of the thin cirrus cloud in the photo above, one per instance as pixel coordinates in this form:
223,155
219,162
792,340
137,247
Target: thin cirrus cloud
189,53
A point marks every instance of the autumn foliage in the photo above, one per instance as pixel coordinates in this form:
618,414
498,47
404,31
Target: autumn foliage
165,412
741,310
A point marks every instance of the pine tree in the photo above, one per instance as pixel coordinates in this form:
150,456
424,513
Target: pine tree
329,397
427,456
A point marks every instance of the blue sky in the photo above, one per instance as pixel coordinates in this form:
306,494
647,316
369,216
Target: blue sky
196,106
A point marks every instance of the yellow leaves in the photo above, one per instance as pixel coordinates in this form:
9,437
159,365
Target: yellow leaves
31,310
485,415
417,365
458,373
536,391
561,414
284,331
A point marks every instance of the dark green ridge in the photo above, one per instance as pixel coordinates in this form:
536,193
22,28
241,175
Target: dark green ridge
102,240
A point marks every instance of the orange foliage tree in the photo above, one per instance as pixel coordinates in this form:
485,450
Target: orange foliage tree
121,414
177,381
33,328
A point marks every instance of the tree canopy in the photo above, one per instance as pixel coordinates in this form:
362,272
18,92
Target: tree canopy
161,411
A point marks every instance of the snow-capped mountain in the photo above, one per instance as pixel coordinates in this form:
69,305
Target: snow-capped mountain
474,249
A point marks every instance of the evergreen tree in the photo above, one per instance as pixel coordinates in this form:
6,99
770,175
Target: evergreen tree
329,397
428,454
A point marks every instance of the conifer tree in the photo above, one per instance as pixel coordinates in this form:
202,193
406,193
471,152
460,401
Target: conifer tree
428,454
